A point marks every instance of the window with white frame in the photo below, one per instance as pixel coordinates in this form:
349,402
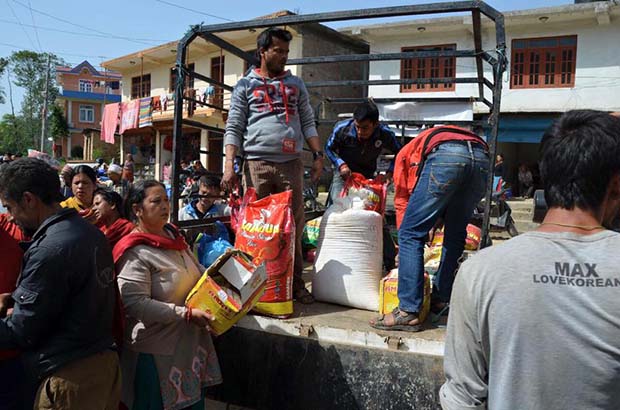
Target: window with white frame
86,86
87,113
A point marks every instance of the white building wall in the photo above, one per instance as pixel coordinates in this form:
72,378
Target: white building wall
390,70
597,76
233,69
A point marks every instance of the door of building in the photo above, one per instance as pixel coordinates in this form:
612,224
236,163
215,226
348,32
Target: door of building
216,152
217,73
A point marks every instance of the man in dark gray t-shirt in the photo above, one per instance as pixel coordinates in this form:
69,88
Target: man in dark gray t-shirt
535,322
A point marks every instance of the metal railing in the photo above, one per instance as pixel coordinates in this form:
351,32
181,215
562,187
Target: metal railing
496,59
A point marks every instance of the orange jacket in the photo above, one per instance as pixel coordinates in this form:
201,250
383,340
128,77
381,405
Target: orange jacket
410,161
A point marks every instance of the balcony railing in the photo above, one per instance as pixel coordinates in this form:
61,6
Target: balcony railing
195,103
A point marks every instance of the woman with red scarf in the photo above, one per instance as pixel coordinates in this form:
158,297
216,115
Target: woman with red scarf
168,357
11,371
108,210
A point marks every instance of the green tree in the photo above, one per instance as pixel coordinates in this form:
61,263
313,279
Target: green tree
29,71
58,127
11,130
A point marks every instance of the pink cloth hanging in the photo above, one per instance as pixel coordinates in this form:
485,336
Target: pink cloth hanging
129,115
109,122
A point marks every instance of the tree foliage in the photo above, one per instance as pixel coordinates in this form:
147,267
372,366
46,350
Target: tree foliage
59,127
28,71
11,132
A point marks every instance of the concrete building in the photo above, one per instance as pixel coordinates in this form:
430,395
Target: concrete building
150,74
559,58
84,91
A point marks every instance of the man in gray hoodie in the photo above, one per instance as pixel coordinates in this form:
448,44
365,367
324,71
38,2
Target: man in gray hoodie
270,117
535,322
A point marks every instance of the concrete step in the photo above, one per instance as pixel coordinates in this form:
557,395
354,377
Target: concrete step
522,214
522,208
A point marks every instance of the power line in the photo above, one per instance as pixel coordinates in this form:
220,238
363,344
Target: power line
77,33
192,10
54,52
149,43
20,23
36,32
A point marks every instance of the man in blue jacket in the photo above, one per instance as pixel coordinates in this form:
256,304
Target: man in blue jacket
63,307
355,146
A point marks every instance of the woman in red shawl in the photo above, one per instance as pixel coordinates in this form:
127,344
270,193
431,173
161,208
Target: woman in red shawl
168,357
11,371
108,209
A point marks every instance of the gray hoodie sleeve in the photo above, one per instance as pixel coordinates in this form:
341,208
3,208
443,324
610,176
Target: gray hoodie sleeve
465,363
306,114
237,116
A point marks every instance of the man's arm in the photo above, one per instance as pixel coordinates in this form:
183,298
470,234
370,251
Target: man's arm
38,300
333,144
317,165
306,118
401,186
233,137
229,179
465,363
306,114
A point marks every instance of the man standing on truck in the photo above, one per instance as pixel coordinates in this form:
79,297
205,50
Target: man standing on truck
270,116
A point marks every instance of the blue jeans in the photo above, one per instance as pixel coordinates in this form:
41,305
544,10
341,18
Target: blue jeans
452,182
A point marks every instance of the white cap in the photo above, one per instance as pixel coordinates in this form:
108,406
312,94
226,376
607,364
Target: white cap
115,169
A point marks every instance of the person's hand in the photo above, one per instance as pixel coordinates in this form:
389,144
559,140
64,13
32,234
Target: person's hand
5,303
317,170
229,179
388,177
201,318
345,171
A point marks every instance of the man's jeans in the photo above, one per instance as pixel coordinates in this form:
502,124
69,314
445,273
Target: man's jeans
452,182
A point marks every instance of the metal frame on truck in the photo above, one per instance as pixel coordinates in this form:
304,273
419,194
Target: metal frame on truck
495,58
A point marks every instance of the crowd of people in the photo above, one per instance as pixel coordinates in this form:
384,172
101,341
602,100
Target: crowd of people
94,277
91,264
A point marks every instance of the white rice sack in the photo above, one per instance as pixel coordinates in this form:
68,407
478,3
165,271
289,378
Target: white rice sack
349,258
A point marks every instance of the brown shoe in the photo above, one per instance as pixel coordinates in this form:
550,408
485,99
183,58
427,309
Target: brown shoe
398,320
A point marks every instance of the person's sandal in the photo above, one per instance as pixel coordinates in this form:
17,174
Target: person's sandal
399,322
303,296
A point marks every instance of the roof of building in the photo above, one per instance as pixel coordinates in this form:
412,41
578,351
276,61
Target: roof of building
598,9
77,70
166,53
